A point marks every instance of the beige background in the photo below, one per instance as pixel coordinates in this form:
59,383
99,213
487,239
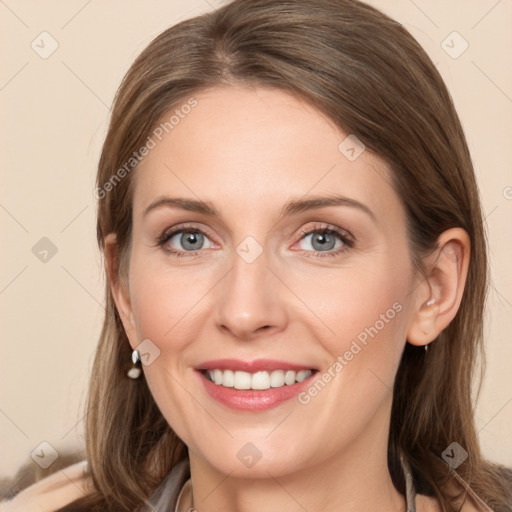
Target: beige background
54,114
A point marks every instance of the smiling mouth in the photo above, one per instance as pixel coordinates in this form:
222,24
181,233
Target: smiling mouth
260,380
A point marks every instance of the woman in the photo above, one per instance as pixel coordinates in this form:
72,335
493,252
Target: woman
296,268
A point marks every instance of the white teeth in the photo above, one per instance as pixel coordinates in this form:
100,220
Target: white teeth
228,379
258,380
277,379
289,377
217,376
302,375
242,380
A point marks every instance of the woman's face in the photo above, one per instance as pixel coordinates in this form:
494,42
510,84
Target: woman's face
268,280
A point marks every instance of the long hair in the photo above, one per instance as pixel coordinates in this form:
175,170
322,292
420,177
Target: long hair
372,79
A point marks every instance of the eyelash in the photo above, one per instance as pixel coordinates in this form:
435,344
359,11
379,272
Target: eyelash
348,241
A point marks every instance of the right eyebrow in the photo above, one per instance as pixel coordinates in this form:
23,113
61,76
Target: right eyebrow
192,205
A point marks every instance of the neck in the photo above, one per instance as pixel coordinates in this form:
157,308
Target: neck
356,478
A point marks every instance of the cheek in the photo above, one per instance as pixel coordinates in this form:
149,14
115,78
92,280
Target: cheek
361,358
166,305
347,302
156,310
360,319
165,300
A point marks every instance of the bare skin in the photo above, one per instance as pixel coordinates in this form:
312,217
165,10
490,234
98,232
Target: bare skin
248,152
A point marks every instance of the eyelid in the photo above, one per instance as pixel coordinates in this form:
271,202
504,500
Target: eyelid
347,239
323,226
184,227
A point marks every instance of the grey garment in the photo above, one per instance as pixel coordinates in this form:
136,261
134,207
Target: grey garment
164,498
410,491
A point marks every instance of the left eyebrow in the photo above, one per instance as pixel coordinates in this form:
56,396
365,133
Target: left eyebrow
313,202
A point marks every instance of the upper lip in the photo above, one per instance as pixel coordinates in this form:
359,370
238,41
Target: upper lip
256,365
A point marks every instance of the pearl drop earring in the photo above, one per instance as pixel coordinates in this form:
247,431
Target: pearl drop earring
134,372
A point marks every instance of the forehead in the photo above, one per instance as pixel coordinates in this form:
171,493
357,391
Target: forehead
254,148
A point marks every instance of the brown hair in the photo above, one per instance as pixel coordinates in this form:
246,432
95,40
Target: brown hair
369,75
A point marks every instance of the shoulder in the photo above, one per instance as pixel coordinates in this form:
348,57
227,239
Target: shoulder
52,492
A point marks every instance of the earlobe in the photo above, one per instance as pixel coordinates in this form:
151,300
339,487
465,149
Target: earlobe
118,288
440,294
423,330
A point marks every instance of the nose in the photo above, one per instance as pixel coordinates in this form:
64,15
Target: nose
250,300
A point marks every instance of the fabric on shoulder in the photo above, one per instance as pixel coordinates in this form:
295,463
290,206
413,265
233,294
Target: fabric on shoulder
165,496
52,492
73,482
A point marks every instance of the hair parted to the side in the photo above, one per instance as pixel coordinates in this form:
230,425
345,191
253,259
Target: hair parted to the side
372,79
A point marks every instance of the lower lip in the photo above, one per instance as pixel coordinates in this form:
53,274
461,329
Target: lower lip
251,399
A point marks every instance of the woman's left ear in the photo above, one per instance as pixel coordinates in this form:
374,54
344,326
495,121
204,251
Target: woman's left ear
438,297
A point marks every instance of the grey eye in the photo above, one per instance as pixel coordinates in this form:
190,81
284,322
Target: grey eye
321,241
190,241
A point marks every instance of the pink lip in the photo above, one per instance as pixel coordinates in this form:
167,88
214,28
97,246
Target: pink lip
250,399
257,365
